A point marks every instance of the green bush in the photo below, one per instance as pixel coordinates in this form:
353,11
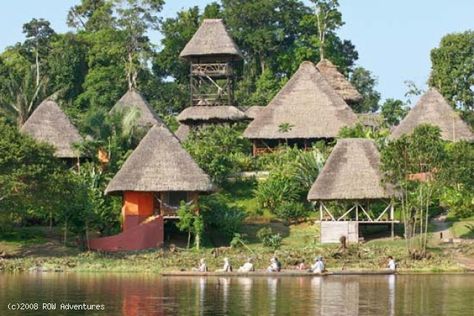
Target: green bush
218,150
268,238
292,211
219,215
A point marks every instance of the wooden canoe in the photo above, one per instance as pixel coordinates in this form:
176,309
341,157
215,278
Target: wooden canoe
284,273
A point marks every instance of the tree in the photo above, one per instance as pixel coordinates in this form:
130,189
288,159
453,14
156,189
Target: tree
328,20
91,15
413,163
453,69
28,173
191,221
135,18
216,150
38,35
363,81
393,111
19,93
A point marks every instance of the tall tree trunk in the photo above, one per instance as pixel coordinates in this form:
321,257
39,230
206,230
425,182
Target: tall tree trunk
37,67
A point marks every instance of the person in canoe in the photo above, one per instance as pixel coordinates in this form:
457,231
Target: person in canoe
318,266
275,265
392,265
227,266
202,266
247,267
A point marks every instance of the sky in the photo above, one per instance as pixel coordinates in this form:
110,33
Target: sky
393,37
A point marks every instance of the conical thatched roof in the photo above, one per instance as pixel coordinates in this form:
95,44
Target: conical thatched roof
49,124
182,132
211,38
339,83
352,172
133,99
307,107
211,113
159,164
433,109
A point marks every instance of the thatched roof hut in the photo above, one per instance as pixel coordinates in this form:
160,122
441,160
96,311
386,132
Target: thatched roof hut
338,82
133,99
160,164
211,39
182,132
307,105
195,115
253,111
49,124
352,172
433,109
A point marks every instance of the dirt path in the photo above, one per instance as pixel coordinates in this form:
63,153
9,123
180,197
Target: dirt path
442,228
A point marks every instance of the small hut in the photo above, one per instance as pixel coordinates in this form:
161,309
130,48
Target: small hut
212,55
133,99
351,174
338,82
433,109
153,181
305,110
49,124
157,176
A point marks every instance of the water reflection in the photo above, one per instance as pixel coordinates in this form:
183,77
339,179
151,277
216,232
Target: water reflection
141,294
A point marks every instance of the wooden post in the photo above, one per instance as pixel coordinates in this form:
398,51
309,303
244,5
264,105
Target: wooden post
357,211
391,218
320,211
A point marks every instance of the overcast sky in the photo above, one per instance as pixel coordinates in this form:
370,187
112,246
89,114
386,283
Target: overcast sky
393,37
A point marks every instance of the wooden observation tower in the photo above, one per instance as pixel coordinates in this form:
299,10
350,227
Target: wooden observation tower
212,55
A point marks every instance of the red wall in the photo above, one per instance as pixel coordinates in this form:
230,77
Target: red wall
137,206
149,234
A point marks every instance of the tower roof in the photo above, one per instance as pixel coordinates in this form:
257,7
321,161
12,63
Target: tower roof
433,109
338,82
211,113
352,172
160,164
211,38
307,105
49,124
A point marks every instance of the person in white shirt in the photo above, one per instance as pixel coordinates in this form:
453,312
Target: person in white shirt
318,266
247,267
392,265
227,266
202,266
275,265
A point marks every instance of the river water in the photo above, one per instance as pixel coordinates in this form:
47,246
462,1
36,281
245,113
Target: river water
149,294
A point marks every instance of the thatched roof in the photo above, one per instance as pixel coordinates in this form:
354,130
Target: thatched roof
352,172
49,124
159,164
182,132
211,113
433,109
253,111
339,83
307,105
211,38
370,119
134,99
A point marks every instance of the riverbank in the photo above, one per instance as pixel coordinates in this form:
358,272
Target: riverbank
299,244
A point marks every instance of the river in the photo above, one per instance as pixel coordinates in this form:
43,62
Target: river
149,294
